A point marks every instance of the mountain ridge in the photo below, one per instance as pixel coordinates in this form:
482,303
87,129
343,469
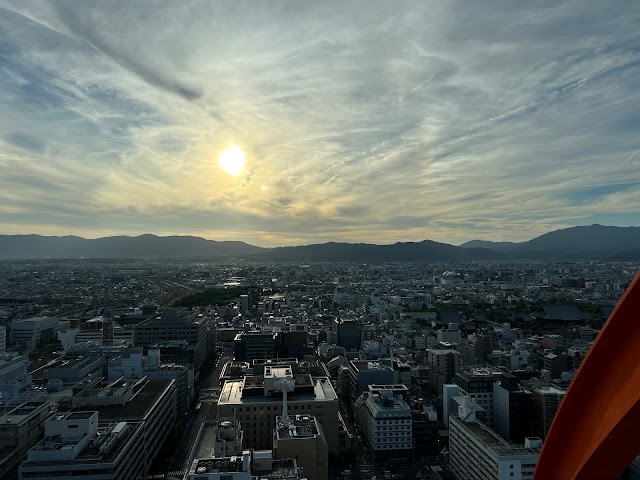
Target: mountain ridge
583,242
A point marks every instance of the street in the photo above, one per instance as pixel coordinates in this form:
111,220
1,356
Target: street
208,411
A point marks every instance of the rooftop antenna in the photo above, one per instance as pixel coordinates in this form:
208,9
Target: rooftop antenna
285,385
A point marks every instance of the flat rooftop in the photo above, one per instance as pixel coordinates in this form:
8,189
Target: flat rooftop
219,465
232,391
22,413
137,408
393,407
299,426
493,441
369,365
112,439
550,390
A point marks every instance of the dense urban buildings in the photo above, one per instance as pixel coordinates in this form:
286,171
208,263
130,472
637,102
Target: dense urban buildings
184,369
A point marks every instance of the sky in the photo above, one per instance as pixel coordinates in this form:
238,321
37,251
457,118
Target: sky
360,121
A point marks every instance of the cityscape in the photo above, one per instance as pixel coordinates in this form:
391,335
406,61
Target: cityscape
196,370
319,240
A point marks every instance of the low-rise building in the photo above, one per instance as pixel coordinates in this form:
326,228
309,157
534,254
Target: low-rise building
77,446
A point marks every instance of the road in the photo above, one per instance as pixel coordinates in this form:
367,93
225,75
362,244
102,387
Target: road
208,411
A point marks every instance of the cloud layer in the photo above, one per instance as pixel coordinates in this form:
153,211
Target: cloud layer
361,121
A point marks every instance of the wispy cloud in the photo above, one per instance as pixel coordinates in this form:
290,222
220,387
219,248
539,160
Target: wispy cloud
366,121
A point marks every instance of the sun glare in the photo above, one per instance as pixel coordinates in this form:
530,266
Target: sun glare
232,160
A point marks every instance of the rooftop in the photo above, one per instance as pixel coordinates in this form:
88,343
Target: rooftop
23,412
219,465
111,440
138,407
368,365
315,388
492,440
298,426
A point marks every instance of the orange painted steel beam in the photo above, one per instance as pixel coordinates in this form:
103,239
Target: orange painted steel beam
595,432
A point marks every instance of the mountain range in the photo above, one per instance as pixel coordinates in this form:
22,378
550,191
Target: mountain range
596,242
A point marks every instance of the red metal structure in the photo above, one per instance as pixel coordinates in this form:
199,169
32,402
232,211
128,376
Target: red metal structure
594,435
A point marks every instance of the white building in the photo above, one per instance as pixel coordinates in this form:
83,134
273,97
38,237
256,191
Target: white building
29,333
384,419
478,453
77,446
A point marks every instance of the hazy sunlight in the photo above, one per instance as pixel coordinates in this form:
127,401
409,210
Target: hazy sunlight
232,160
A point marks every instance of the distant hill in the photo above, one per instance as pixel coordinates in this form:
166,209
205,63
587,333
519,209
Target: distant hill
426,250
593,241
143,246
588,242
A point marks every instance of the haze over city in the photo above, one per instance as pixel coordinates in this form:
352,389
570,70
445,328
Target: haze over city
281,123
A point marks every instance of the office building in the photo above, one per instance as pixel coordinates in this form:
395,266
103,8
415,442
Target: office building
478,453
443,365
178,325
361,373
546,400
152,402
245,303
20,429
256,400
477,383
72,370
76,445
254,345
425,433
349,333
133,364
301,437
514,414
29,333
385,420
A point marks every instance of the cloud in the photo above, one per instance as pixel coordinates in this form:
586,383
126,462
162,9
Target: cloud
368,122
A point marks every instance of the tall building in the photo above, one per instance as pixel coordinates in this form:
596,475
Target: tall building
349,331
478,453
256,400
244,303
254,345
361,373
301,437
477,383
546,399
514,415
76,445
175,324
385,420
443,365
425,433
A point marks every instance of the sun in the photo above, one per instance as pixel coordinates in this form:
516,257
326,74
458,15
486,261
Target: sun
232,160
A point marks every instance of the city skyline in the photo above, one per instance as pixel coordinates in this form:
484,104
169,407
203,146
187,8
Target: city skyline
353,122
